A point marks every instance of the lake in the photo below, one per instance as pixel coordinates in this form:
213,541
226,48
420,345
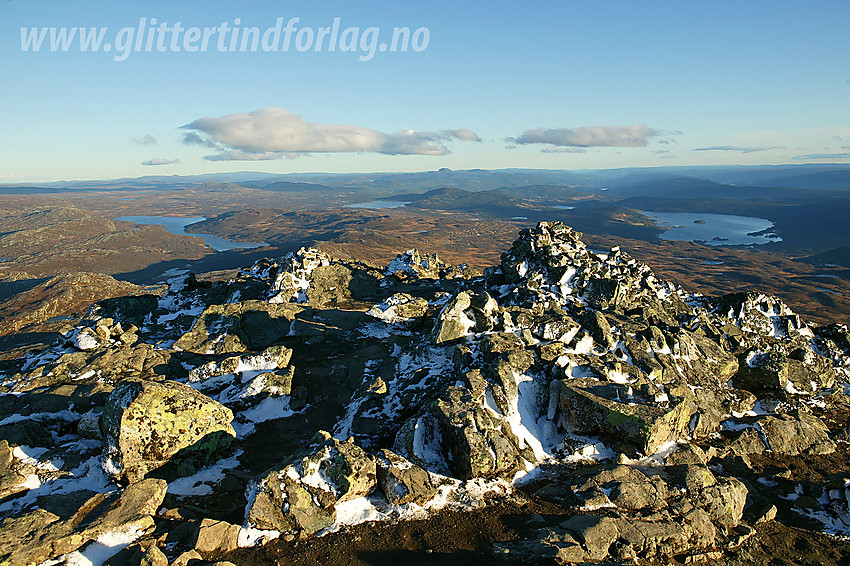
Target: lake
713,229
177,225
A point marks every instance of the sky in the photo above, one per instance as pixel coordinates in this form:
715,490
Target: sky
554,85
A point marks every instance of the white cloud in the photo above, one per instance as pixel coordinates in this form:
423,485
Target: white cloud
589,136
145,140
823,156
742,149
239,155
273,133
563,150
161,161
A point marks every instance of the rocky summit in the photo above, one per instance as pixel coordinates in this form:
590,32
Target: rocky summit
307,395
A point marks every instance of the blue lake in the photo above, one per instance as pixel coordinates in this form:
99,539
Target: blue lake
713,229
177,225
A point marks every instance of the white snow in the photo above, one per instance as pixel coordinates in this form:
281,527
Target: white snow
268,409
452,494
426,446
526,423
192,311
85,340
199,483
28,455
314,475
249,536
584,346
105,547
653,460
594,451
618,377
357,511
63,415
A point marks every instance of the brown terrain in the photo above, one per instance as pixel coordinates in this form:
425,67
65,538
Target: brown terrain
46,238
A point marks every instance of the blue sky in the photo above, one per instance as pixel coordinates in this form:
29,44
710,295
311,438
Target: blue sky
554,85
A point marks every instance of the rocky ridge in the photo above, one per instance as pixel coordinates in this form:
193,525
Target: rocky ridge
311,393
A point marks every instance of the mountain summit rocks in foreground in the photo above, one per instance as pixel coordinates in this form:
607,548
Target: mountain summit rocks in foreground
312,393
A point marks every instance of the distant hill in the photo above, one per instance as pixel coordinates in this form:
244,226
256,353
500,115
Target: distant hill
287,186
450,198
551,193
471,180
837,256
693,188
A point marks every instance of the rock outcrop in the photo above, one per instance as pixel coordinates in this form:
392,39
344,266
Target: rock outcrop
665,423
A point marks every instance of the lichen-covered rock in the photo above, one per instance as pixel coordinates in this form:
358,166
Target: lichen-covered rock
302,496
399,307
12,476
148,425
472,439
797,433
121,361
235,328
216,537
402,481
592,407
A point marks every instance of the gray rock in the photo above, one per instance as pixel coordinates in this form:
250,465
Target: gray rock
596,534
148,425
593,408
235,328
797,433
153,556
472,437
724,501
453,323
402,481
216,537
302,496
89,426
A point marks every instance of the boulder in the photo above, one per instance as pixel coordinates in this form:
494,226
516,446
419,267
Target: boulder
148,425
12,479
216,537
302,496
592,407
472,439
133,508
40,536
797,433
453,323
402,481
329,285
399,307
774,368
234,328
153,556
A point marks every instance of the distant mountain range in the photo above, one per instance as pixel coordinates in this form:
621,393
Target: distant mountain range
826,177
